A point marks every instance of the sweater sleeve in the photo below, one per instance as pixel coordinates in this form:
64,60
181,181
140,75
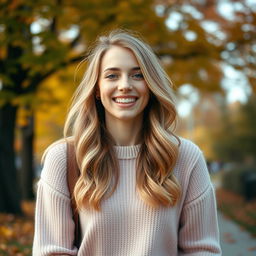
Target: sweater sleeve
54,225
198,229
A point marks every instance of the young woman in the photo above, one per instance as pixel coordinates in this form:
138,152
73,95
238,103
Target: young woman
142,189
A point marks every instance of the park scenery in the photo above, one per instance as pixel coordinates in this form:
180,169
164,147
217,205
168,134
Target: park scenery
208,48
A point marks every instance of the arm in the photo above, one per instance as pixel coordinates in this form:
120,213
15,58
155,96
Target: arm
54,226
198,232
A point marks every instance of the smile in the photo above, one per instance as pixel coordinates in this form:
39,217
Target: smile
125,100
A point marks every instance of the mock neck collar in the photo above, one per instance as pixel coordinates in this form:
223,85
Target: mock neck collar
127,152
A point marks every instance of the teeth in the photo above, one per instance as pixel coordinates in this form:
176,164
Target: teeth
124,100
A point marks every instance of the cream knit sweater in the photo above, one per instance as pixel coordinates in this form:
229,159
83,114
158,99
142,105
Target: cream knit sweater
127,226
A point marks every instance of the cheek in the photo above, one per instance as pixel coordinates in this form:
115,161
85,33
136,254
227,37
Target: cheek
105,90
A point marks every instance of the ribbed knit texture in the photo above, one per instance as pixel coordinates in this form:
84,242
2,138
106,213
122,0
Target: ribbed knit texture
126,225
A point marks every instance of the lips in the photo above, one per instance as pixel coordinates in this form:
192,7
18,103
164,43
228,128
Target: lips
125,100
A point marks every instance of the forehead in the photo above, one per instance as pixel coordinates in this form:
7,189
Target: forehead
118,57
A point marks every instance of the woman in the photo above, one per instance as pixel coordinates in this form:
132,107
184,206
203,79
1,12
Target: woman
142,190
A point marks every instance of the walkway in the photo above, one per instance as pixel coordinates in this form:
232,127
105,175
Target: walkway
235,241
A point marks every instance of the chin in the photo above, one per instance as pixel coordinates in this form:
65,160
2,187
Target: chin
127,118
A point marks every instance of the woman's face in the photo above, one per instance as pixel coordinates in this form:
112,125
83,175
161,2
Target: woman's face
122,88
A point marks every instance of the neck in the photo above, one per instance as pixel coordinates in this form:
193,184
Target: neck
125,133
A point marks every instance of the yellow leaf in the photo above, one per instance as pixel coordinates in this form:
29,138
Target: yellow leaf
6,232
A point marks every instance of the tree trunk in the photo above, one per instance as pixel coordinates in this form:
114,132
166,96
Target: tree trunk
10,201
27,163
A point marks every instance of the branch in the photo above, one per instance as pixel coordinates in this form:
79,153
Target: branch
38,78
75,41
53,26
62,65
188,56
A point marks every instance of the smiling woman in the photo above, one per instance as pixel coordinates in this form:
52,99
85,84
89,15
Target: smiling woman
142,190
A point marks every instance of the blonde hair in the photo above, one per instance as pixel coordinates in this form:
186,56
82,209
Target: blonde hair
96,158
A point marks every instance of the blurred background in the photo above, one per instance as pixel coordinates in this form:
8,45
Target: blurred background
208,48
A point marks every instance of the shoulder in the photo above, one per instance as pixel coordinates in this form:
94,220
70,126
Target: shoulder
190,160
54,166
55,153
189,152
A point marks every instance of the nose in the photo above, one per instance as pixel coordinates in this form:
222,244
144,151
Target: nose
124,84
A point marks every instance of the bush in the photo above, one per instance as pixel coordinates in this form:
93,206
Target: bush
236,208
241,180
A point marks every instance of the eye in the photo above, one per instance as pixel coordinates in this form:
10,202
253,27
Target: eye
112,76
138,75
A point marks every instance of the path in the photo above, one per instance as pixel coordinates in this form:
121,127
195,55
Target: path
235,241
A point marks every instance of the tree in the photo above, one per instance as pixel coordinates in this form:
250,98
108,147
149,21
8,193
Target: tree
234,138
203,38
38,38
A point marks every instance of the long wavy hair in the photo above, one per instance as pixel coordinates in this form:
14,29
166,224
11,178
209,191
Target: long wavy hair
85,126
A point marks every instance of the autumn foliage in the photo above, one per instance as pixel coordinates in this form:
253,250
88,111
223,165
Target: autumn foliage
16,233
236,208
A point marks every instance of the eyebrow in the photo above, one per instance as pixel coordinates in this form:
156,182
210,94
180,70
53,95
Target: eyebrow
118,69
